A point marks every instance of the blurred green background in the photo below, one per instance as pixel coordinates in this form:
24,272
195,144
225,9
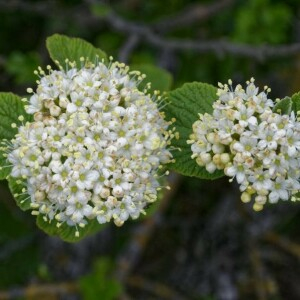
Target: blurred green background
199,242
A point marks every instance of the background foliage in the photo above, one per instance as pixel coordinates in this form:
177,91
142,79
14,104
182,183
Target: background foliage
200,242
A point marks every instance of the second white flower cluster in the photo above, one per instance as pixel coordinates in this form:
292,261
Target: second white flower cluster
250,142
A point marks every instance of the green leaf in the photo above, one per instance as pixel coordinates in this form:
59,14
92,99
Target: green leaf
11,107
186,103
22,65
284,106
5,168
274,17
296,196
66,232
296,102
61,47
100,9
160,79
100,282
16,186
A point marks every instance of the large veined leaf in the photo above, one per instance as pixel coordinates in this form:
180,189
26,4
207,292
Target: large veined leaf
66,232
160,79
5,168
284,106
61,47
296,102
185,105
11,107
18,190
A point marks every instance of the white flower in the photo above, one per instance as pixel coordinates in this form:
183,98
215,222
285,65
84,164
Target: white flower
78,210
237,171
251,143
246,145
279,190
293,142
94,148
85,179
35,105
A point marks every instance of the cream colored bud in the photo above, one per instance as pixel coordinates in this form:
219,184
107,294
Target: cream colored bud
257,207
48,103
38,116
216,159
245,197
250,190
231,113
55,110
225,158
58,217
211,167
118,222
200,162
49,120
205,157
211,137
63,102
39,195
43,209
261,199
105,192
218,148
263,192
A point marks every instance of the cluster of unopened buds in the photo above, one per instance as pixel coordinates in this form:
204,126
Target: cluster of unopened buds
95,147
250,142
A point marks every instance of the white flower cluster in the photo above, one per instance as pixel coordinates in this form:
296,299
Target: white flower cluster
250,142
95,146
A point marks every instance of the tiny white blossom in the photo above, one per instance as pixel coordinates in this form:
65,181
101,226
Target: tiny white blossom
94,147
251,143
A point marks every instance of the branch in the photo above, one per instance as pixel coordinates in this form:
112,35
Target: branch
148,35
258,272
34,291
42,7
191,15
128,48
77,13
218,47
38,291
160,290
283,243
